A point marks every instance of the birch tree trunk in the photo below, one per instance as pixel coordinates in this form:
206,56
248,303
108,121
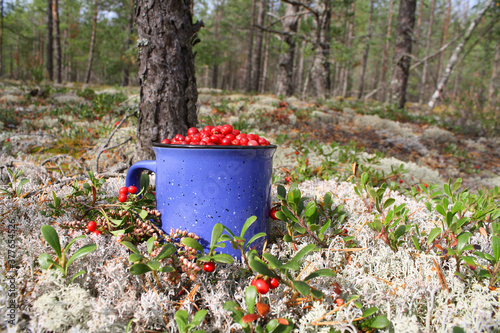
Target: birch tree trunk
423,78
382,82
92,43
285,85
456,53
367,50
57,39
49,60
166,72
402,53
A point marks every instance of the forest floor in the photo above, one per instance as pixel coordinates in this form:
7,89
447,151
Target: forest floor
55,135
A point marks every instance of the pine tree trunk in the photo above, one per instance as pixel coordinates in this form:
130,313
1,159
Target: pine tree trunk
166,72
300,70
456,53
321,64
382,83
262,83
417,29
350,33
92,43
257,54
49,57
128,42
402,52
57,39
367,50
248,72
285,85
494,76
1,38
423,78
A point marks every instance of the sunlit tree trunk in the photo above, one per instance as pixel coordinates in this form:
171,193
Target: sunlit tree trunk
248,73
350,34
92,43
382,82
285,85
417,29
257,54
166,72
456,53
128,42
366,51
402,52
57,39
423,78
445,36
494,86
49,61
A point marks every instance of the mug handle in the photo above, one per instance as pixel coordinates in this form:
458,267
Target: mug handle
135,172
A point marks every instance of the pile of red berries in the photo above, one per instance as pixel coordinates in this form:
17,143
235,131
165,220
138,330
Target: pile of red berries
221,135
263,286
124,191
92,227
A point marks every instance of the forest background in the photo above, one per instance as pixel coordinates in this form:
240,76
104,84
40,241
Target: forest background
245,43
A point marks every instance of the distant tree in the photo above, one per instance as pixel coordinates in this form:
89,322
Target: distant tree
92,42
423,77
166,71
1,37
402,52
257,54
49,61
57,40
128,42
284,84
366,51
385,55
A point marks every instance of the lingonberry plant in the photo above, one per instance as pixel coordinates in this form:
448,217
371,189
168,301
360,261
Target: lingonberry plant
15,184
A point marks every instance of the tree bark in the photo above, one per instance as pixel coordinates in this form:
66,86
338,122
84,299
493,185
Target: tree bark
49,57
128,42
262,83
92,43
321,63
1,38
445,36
285,85
417,29
257,54
248,73
367,50
385,55
166,72
402,53
350,34
57,39
423,78
456,53
494,76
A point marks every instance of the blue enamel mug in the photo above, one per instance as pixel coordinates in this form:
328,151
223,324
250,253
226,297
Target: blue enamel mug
200,186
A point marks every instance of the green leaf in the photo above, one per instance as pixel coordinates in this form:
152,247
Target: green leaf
134,257
291,265
254,238
216,233
400,231
50,235
192,243
446,190
320,272
495,244
485,256
76,275
327,199
369,312
440,210
143,214
271,326
364,178
82,252
139,269
181,318
20,186
470,262
317,293
250,295
166,269
45,260
281,192
261,268
154,265
198,317
166,251
150,244
130,246
66,248
379,322
325,227
247,225
457,184
305,250
280,216
416,242
225,258
389,202
433,234
302,287
287,238
462,240
274,262
144,181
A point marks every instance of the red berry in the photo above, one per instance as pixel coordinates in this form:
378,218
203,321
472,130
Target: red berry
96,232
215,139
122,197
123,190
7,140
208,129
296,152
288,179
336,288
401,181
96,117
209,266
192,131
226,129
179,137
235,132
339,301
117,123
273,283
235,142
230,137
253,143
132,189
166,141
92,226
262,286
244,141
225,142
426,185
272,214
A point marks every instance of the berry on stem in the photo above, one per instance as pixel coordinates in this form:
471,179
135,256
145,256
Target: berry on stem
132,189
122,197
261,285
209,266
123,190
96,232
272,214
273,283
91,226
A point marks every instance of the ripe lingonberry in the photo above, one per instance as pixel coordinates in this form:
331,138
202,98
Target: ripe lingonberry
273,283
209,266
91,226
262,286
132,189
96,232
288,179
272,214
165,141
122,197
339,301
123,190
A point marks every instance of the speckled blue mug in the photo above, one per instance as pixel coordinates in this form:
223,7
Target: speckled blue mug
199,186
